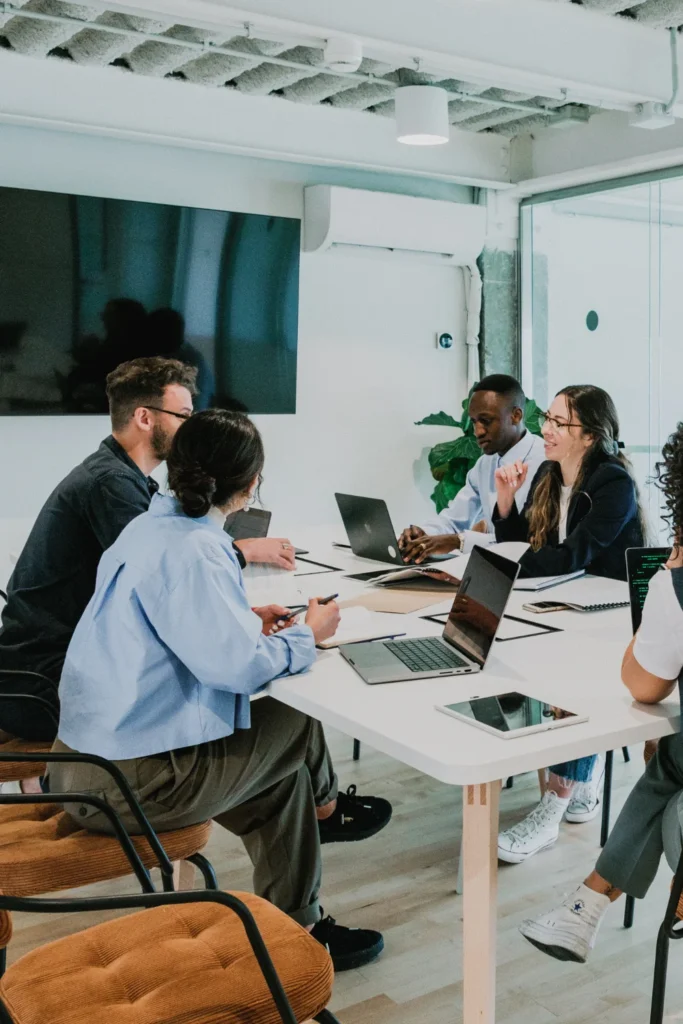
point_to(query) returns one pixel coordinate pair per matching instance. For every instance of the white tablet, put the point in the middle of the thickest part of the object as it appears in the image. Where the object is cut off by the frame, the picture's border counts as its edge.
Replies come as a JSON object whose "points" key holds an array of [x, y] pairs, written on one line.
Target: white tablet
{"points": [[511, 714]]}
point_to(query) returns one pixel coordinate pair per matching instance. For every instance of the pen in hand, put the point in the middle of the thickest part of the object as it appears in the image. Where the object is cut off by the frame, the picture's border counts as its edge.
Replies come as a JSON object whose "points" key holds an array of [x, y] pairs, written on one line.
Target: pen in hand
{"points": [[304, 607]]}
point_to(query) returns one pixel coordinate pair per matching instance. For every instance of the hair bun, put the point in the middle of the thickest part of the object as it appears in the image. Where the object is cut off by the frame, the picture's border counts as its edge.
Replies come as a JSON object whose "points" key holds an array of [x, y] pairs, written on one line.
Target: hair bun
{"points": [[194, 488]]}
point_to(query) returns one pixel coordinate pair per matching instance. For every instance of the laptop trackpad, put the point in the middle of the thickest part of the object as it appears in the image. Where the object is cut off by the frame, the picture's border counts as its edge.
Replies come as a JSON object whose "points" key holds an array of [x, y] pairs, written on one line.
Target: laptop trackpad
{"points": [[374, 656]]}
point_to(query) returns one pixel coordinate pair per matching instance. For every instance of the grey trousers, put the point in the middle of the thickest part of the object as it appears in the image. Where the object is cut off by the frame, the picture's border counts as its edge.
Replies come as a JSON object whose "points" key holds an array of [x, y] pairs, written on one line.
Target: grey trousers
{"points": [[262, 784], [650, 824]]}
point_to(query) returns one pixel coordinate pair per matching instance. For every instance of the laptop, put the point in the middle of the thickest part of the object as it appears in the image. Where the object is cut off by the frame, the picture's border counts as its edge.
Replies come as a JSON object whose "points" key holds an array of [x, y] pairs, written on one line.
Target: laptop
{"points": [[370, 530], [467, 638], [251, 523], [641, 566]]}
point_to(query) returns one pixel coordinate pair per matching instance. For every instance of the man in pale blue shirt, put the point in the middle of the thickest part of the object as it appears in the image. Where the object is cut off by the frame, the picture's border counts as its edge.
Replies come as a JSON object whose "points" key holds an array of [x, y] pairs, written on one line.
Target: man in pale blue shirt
{"points": [[497, 412]]}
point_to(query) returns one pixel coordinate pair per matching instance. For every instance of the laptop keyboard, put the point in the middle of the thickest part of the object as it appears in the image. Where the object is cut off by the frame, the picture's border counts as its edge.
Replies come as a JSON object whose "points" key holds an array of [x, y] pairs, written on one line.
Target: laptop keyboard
{"points": [[425, 655]]}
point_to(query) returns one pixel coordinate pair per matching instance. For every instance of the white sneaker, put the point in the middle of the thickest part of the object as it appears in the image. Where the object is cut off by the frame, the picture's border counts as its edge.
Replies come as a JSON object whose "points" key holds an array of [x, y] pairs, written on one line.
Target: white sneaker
{"points": [[569, 931], [536, 832], [584, 803]]}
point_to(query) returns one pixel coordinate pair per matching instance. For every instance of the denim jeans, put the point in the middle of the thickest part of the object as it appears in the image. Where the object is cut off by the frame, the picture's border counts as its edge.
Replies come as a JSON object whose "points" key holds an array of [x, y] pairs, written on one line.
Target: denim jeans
{"points": [[575, 771]]}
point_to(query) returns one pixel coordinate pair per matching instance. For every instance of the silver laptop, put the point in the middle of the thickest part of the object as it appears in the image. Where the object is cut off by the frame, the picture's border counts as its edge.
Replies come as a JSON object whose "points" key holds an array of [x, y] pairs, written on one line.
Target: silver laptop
{"points": [[467, 638]]}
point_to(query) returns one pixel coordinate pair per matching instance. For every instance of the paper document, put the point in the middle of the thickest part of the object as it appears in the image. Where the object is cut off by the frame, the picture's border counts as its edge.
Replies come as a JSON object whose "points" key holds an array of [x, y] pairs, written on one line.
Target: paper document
{"points": [[593, 594], [357, 624], [418, 578], [537, 583]]}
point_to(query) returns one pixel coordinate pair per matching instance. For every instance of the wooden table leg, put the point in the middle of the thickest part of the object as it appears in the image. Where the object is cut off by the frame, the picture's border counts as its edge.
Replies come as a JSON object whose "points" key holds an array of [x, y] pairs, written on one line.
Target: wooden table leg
{"points": [[480, 859]]}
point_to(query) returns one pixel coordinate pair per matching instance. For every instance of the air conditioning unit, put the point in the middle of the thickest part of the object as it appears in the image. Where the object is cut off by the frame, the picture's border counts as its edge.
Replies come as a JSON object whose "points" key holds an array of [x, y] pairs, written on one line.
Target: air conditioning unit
{"points": [[382, 223]]}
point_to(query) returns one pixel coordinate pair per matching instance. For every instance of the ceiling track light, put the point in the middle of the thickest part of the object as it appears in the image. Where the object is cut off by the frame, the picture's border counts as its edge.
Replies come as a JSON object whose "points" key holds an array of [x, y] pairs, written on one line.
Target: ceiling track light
{"points": [[422, 115], [343, 54]]}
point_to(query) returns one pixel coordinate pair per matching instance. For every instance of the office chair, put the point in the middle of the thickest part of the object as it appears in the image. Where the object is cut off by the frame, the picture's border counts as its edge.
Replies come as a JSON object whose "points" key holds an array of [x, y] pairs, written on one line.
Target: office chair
{"points": [[182, 960]]}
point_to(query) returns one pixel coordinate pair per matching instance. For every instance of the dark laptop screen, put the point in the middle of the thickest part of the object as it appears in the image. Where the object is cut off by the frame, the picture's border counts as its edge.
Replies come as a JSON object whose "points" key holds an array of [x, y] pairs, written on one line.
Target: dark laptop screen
{"points": [[641, 565], [248, 523], [480, 602]]}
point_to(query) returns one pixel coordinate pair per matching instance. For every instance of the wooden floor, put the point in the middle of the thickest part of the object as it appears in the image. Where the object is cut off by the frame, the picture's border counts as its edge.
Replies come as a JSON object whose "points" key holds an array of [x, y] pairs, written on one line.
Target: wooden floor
{"points": [[402, 882]]}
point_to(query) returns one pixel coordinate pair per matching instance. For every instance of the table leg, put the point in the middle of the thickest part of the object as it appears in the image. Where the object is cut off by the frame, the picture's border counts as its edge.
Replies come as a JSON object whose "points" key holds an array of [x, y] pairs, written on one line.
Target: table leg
{"points": [[480, 859]]}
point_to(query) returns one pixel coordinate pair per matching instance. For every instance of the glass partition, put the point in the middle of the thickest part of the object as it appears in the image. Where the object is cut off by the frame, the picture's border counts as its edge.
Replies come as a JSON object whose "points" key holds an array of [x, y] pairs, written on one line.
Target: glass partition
{"points": [[602, 303]]}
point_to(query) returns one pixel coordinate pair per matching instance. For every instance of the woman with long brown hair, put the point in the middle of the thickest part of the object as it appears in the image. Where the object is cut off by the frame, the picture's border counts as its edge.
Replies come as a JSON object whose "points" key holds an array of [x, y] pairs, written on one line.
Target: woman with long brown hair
{"points": [[582, 513]]}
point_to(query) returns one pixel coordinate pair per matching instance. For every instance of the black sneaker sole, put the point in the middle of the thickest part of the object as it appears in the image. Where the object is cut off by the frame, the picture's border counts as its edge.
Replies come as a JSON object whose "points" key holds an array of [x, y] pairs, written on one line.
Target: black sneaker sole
{"points": [[558, 952], [347, 835], [358, 958]]}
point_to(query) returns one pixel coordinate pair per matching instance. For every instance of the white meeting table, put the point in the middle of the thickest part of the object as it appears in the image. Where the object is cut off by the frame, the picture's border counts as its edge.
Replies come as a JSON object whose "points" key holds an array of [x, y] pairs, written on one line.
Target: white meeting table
{"points": [[578, 668]]}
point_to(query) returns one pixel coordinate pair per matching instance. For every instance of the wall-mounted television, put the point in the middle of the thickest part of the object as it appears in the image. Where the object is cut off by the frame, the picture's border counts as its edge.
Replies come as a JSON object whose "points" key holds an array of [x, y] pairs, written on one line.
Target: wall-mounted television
{"points": [[87, 283]]}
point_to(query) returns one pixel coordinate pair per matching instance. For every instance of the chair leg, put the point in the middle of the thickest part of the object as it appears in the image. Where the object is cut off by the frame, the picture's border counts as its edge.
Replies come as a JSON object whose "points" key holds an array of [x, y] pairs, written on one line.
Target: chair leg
{"points": [[206, 868], [325, 1017], [607, 797], [627, 755], [183, 875], [356, 750], [629, 912], [659, 978]]}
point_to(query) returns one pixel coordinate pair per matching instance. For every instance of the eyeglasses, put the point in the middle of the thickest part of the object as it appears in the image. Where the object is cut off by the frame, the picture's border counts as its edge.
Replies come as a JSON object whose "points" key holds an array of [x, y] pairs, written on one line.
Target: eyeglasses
{"points": [[169, 412], [558, 425]]}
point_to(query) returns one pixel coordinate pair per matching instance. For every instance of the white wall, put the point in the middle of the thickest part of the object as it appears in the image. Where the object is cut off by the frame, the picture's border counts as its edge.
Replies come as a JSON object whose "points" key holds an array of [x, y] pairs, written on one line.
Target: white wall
{"points": [[368, 365]]}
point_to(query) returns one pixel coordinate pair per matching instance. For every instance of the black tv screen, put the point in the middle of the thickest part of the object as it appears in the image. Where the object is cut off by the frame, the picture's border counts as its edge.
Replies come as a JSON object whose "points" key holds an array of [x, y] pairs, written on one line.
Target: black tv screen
{"points": [[88, 283]]}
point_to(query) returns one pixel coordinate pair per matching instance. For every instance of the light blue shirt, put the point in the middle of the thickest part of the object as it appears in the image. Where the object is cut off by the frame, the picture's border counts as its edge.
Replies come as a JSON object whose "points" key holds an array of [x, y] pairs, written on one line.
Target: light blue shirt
{"points": [[168, 650], [477, 499]]}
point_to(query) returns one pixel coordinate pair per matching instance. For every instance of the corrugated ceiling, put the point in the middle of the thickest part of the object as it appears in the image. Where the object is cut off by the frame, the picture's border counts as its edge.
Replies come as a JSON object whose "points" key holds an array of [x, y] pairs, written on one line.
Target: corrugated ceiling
{"points": [[288, 69]]}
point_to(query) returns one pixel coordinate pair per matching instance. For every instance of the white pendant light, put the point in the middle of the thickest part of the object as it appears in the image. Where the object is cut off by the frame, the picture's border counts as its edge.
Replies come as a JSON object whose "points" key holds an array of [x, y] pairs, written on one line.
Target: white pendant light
{"points": [[422, 115], [343, 54]]}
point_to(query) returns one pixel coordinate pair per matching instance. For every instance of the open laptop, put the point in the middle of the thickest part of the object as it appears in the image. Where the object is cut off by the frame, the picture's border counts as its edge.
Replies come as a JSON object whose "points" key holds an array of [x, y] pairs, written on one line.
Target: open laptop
{"points": [[251, 523], [641, 566], [369, 528], [468, 634]]}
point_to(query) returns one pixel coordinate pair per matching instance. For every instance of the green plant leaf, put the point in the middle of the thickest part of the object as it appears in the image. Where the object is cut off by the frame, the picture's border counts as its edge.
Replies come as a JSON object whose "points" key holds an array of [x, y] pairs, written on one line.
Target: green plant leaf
{"points": [[438, 419], [465, 448], [532, 413]]}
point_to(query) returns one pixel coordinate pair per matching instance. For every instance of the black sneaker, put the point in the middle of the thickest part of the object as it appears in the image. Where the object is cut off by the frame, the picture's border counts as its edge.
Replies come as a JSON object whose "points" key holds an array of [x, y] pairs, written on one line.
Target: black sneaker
{"points": [[355, 818], [348, 947]]}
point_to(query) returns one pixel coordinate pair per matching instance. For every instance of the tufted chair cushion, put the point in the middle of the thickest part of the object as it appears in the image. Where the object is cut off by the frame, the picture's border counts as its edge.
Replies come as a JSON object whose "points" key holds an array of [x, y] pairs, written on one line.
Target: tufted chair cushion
{"points": [[189, 964], [14, 771], [42, 849]]}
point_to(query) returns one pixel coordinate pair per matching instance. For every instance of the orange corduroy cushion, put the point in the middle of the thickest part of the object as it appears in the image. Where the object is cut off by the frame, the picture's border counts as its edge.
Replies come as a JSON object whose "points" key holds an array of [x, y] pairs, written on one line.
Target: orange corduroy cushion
{"points": [[171, 965], [42, 849], [14, 771]]}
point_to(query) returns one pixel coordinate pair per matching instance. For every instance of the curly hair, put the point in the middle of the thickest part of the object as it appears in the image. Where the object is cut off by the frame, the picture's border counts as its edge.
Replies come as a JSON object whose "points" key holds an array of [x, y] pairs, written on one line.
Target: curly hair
{"points": [[669, 479]]}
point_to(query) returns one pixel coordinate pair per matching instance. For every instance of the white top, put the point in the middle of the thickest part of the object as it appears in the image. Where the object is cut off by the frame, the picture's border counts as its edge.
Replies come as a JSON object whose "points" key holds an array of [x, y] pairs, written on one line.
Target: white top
{"points": [[659, 642], [565, 497], [477, 499]]}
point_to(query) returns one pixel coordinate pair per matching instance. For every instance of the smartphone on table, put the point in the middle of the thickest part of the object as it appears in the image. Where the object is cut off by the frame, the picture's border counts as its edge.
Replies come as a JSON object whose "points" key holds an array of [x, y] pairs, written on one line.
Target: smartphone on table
{"points": [[540, 607]]}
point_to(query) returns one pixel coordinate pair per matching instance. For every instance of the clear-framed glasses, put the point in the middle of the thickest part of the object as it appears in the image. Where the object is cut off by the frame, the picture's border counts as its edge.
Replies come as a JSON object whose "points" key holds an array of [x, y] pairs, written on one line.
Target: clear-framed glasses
{"points": [[557, 425]]}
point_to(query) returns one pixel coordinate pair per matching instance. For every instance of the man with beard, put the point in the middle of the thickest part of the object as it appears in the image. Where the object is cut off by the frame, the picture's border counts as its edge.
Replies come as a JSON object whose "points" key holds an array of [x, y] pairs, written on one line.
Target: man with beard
{"points": [[54, 577]]}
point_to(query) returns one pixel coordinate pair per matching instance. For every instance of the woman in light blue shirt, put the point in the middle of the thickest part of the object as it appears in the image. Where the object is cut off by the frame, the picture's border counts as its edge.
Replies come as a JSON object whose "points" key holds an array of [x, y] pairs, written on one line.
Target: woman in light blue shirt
{"points": [[160, 671]]}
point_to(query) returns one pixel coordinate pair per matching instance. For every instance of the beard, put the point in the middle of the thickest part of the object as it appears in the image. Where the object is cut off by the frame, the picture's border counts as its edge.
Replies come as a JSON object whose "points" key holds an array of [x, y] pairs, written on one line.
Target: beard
{"points": [[161, 442]]}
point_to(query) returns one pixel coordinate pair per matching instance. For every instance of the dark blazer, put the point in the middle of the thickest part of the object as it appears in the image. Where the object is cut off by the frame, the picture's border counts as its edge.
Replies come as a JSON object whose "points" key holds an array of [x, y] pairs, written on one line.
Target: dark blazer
{"points": [[602, 523]]}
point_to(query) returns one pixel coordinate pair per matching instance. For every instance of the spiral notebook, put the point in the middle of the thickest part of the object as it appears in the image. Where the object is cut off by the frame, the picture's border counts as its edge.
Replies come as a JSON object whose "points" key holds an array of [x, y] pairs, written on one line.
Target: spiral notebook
{"points": [[593, 594]]}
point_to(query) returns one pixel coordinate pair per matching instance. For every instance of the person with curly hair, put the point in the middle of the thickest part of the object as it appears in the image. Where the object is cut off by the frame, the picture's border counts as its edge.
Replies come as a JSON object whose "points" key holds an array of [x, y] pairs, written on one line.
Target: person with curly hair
{"points": [[582, 512], [651, 821]]}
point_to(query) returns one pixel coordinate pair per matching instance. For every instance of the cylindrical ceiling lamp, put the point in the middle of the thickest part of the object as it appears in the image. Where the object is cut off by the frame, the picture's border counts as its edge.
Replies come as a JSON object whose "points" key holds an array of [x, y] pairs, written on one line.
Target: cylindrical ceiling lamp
{"points": [[422, 115]]}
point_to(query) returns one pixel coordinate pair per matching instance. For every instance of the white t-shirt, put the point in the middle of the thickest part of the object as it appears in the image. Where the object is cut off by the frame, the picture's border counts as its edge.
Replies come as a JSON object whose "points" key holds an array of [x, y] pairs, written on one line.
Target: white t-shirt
{"points": [[565, 497], [659, 641]]}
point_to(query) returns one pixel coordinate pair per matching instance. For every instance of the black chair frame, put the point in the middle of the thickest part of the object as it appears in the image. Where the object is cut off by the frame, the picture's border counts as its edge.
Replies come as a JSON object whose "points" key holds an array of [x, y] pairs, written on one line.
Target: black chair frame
{"points": [[148, 900], [667, 932]]}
